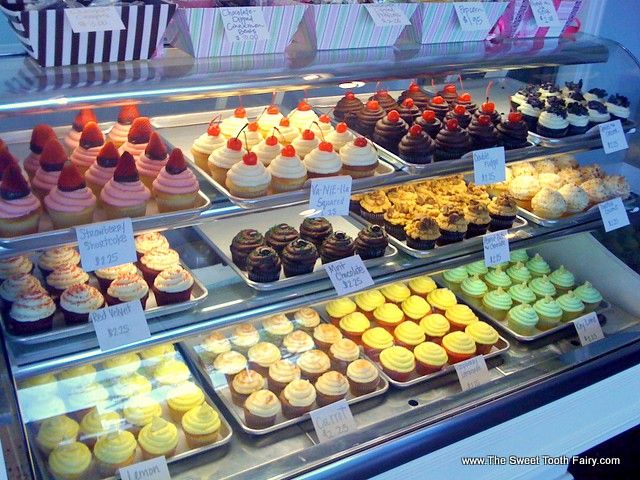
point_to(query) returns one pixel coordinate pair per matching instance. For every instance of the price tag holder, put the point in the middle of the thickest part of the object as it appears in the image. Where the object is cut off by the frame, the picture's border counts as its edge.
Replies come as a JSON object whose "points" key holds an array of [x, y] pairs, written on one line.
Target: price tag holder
{"points": [[106, 244], [588, 328], [489, 166], [472, 373], [348, 275], [330, 196], [612, 136], [244, 24], [154, 469], [496, 248], [332, 421], [472, 16], [613, 214], [544, 13], [94, 19], [387, 15], [119, 325]]}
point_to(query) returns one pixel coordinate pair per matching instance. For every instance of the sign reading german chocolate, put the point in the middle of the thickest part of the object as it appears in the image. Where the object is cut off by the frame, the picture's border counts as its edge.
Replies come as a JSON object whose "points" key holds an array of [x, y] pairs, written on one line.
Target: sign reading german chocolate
{"points": [[330, 196], [613, 214], [472, 373], [472, 16], [119, 325], [154, 469], [333, 421], [387, 15], [348, 275], [94, 19], [612, 136], [106, 244], [244, 24]]}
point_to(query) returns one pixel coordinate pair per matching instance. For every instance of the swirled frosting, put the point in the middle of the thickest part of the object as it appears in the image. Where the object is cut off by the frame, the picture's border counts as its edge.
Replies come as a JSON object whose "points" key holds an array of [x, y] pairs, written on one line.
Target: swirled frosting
{"points": [[176, 183], [362, 371], [263, 403], [473, 286], [70, 201], [124, 364], [588, 293], [264, 354], [459, 342], [278, 324], [339, 139], [131, 385], [32, 305], [158, 437], [111, 273], [81, 298], [55, 257], [201, 420], [225, 157], [287, 167], [431, 353], [160, 259], [409, 333], [245, 335], [399, 359], [230, 363], [94, 422], [422, 285], [172, 372], [441, 298], [55, 430], [562, 277], [319, 161], [127, 288], [369, 300], [46, 180], [340, 307], [396, 292], [300, 393], [327, 333], [245, 175], [332, 383], [538, 265], [115, 447], [141, 410], [314, 361], [284, 371], [570, 302], [69, 459], [415, 307], [230, 126], [435, 325], [216, 343], [345, 349], [302, 119], [173, 279], [14, 284], [460, 314], [353, 155], [185, 396], [298, 341], [548, 307], [355, 322], [124, 194], [377, 338], [85, 157], [304, 147], [19, 206], [306, 317], [265, 152], [389, 313], [149, 241], [268, 121], [524, 315], [13, 265], [207, 143]]}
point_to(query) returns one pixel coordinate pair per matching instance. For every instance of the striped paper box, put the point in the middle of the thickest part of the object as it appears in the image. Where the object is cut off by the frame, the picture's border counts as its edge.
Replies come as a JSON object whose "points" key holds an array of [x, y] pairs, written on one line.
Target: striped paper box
{"points": [[200, 32], [47, 36], [518, 20]]}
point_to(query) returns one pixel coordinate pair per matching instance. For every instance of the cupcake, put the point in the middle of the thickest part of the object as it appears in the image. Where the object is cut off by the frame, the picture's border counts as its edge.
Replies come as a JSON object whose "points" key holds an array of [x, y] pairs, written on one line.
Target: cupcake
{"points": [[14, 265], [473, 290], [439, 106], [120, 130], [244, 384], [138, 137], [452, 142], [354, 325], [415, 307], [146, 242], [40, 135], [589, 295], [598, 113], [373, 205], [497, 303], [312, 364], [151, 161], [348, 105], [459, 113], [389, 130], [131, 385], [421, 285], [395, 220], [408, 334], [171, 372], [229, 364], [244, 337], [453, 227], [127, 288], [13, 285], [562, 279], [422, 233], [70, 461], [367, 118], [175, 187], [454, 277], [287, 133], [122, 365], [53, 258], [466, 101], [484, 335], [20, 209], [416, 146], [75, 377], [325, 335], [435, 326], [578, 118], [549, 313], [441, 299], [542, 287], [374, 340], [385, 100], [153, 356], [54, 431], [297, 398], [340, 136], [155, 261], [521, 293], [522, 319], [281, 373], [477, 268], [72, 138], [336, 246], [243, 244], [571, 305], [305, 143], [71, 202], [260, 409], [331, 387], [201, 426], [287, 171], [489, 108], [64, 277], [497, 278], [262, 355], [596, 190], [548, 203], [342, 353], [363, 377], [538, 267], [530, 110], [388, 316], [298, 258], [113, 451], [95, 425], [408, 111], [306, 319], [172, 285], [460, 316], [430, 358], [415, 93], [315, 230], [430, 123], [459, 346], [512, 134], [102, 170], [276, 327], [91, 143], [336, 309], [519, 273], [124, 195], [158, 438], [502, 210], [107, 275], [482, 132], [303, 116], [213, 345], [269, 119], [398, 363], [598, 94], [251, 136], [359, 158], [267, 150], [233, 125], [78, 301], [52, 160], [223, 158], [279, 236], [618, 106]]}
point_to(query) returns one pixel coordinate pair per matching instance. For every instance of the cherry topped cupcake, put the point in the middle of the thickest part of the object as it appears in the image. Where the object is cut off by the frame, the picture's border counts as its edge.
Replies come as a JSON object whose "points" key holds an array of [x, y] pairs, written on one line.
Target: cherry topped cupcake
{"points": [[119, 132], [101, 171], [52, 160], [269, 119], [513, 133], [466, 101], [449, 93], [71, 202], [367, 118], [389, 130], [232, 125], [408, 111], [19, 208], [138, 137], [440, 106], [385, 100], [347, 105], [303, 116], [460, 113], [39, 137], [72, 138], [489, 108], [125, 195], [416, 146], [420, 99], [452, 141], [91, 141], [482, 132], [430, 123]]}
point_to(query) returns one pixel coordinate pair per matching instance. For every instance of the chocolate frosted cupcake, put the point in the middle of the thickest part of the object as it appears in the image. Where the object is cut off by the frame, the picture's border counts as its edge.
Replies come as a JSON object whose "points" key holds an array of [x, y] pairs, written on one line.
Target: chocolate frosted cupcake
{"points": [[263, 265], [440, 106], [386, 101], [483, 133], [299, 257], [278, 236], [452, 142], [371, 242], [502, 210], [452, 225], [477, 216], [466, 102], [367, 118], [389, 130], [449, 93], [243, 244], [338, 245], [531, 110], [422, 233], [513, 133], [553, 122], [489, 108], [315, 230], [430, 123], [460, 113], [408, 111], [416, 146], [415, 93], [347, 105], [578, 118]]}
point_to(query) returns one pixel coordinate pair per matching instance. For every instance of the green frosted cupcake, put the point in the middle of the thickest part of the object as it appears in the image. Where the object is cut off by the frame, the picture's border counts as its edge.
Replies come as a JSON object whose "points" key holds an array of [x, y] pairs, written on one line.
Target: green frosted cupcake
{"points": [[473, 289], [496, 278], [520, 255], [538, 266], [563, 280], [523, 319], [542, 287], [589, 296], [549, 313], [455, 277], [521, 293], [477, 268], [497, 303], [572, 307], [519, 273]]}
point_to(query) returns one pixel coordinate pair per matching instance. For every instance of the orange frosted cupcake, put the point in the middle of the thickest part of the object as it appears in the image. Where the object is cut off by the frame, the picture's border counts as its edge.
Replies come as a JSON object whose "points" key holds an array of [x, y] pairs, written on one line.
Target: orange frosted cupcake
{"points": [[375, 340], [354, 325], [435, 326], [430, 357], [125, 195], [388, 316], [459, 346], [176, 187], [91, 142]]}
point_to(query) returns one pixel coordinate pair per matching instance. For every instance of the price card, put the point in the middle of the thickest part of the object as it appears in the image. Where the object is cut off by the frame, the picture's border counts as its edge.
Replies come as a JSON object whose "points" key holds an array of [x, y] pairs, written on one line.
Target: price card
{"points": [[496, 248], [244, 24], [330, 196], [106, 244], [612, 136], [472, 16], [488, 166], [120, 325], [544, 13], [94, 19], [613, 214], [386, 15], [333, 421], [588, 328], [154, 469], [348, 275], [472, 373]]}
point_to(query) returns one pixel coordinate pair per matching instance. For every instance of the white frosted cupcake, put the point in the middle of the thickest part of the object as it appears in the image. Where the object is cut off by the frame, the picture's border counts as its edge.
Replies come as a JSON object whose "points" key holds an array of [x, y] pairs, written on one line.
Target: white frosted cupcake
{"points": [[231, 126], [269, 119], [305, 142], [322, 161], [287, 171], [205, 144], [248, 178], [359, 158], [223, 158], [250, 136], [267, 150], [303, 116], [340, 136], [322, 128]]}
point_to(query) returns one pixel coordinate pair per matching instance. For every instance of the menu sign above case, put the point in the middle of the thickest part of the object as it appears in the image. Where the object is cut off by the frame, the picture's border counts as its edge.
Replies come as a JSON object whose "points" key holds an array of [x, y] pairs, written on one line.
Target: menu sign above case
{"points": [[244, 24]]}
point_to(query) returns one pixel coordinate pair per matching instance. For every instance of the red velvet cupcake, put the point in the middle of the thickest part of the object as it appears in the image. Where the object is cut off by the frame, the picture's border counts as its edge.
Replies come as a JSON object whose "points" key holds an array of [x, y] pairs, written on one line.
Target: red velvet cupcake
{"points": [[172, 285], [31, 312], [78, 301], [157, 260]]}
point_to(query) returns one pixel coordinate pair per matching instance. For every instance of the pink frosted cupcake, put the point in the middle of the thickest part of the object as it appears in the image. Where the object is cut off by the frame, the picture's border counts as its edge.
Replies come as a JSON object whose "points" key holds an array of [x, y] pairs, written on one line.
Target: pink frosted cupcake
{"points": [[71, 202], [72, 138], [20, 210], [90, 145], [52, 160], [138, 137], [119, 132], [39, 137], [125, 195], [101, 171], [151, 161], [176, 187]]}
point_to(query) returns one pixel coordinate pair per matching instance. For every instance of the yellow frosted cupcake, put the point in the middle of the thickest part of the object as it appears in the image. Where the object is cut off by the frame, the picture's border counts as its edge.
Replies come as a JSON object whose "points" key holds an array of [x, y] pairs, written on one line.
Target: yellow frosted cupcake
{"points": [[396, 292], [459, 346], [430, 357], [131, 385], [354, 325], [201, 426], [460, 316], [375, 340], [77, 377], [140, 411], [368, 301], [336, 309], [95, 424], [440, 299], [484, 335], [388, 316], [53, 431], [151, 357], [70, 461], [114, 451], [422, 285], [435, 326], [408, 335], [415, 308], [183, 398], [124, 364], [158, 438], [398, 363], [171, 372]]}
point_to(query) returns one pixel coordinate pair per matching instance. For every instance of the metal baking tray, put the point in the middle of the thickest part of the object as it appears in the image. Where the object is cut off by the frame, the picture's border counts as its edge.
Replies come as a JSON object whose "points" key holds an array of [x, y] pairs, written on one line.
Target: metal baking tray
{"points": [[219, 235], [594, 132], [452, 248], [182, 450], [61, 330]]}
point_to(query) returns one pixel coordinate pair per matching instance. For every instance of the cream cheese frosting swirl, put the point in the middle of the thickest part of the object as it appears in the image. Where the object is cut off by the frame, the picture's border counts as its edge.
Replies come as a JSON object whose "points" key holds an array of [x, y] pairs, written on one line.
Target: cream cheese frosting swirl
{"points": [[81, 298], [173, 279], [32, 305], [300, 393]]}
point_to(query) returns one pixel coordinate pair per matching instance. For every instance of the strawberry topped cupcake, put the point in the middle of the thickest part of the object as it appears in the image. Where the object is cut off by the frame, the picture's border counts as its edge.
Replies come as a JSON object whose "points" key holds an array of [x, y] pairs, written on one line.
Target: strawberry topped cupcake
{"points": [[151, 161], [51, 162], [269, 119], [39, 137], [119, 132], [20, 209], [6, 159], [101, 171], [176, 187], [125, 195], [91, 142], [71, 202], [138, 137], [72, 138]]}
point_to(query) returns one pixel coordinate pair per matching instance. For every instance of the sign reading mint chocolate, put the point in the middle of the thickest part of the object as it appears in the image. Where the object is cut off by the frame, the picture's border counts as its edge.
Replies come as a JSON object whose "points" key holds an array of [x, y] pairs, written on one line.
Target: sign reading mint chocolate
{"points": [[94, 19], [472, 16], [330, 196], [332, 421], [119, 325], [106, 244], [488, 166], [154, 469], [348, 275], [244, 24], [387, 15]]}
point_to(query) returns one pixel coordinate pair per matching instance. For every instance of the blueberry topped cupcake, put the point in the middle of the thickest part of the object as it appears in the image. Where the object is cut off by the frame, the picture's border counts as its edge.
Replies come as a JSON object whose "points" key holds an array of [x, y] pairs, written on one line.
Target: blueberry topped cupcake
{"points": [[553, 122]]}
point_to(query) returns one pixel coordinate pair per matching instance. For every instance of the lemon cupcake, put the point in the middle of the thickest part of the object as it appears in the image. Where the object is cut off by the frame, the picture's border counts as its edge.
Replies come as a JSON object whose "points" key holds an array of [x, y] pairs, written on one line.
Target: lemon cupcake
{"points": [[589, 295], [435, 326], [549, 313], [183, 398], [440, 299], [114, 451], [201, 426], [460, 316], [408, 335], [139, 411], [562, 279], [95, 424], [415, 308], [53, 431], [484, 335], [571, 305], [151, 357], [542, 287], [398, 363], [430, 357], [120, 365], [171, 372], [375, 340], [422, 285], [388, 315], [368, 301], [76, 377], [454, 277], [396, 292], [538, 266], [336, 309], [473, 289], [70, 461], [522, 319], [459, 346], [158, 439], [276, 327], [354, 325], [521, 293]]}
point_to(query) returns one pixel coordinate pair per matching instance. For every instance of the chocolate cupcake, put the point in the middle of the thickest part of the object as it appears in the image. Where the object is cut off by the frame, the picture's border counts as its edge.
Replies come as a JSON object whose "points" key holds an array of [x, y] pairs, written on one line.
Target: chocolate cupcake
{"points": [[415, 93], [31, 312], [338, 245], [477, 216], [263, 265], [618, 106], [430, 123], [502, 210], [489, 108], [578, 117], [386, 101], [452, 225], [347, 105], [371, 242], [389, 131], [408, 111], [466, 102], [422, 233], [245, 242], [315, 230], [553, 121], [449, 93], [440, 106], [531, 109], [452, 142], [572, 87], [482, 132], [395, 219], [460, 113], [299, 257], [279, 236], [575, 96], [416, 146], [367, 118], [513, 133]]}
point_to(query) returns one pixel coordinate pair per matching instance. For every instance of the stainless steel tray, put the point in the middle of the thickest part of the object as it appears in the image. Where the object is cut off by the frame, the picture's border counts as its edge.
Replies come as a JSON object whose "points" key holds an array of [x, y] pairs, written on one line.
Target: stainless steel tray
{"points": [[594, 132], [220, 233], [61, 330], [452, 248]]}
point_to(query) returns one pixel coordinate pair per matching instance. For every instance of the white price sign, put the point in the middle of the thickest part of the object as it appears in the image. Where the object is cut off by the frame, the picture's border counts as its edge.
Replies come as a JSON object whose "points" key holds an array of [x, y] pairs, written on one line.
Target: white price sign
{"points": [[472, 373], [94, 19], [386, 15], [119, 325], [333, 421], [544, 13], [588, 328], [154, 469], [488, 166], [106, 244], [496, 248], [613, 214], [330, 196], [612, 136], [472, 16], [348, 275], [244, 24]]}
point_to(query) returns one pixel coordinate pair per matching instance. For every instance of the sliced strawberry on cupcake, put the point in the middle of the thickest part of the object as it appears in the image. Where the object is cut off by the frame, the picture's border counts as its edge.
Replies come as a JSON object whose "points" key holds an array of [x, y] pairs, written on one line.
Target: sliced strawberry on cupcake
{"points": [[176, 187], [71, 202], [125, 195], [91, 142], [39, 136], [20, 209], [151, 161], [138, 137], [52, 159], [72, 138], [118, 134], [101, 171]]}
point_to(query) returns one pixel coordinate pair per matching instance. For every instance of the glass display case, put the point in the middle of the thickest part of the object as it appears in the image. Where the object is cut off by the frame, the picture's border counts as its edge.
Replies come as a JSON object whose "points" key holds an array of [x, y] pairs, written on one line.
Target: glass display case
{"points": [[239, 310]]}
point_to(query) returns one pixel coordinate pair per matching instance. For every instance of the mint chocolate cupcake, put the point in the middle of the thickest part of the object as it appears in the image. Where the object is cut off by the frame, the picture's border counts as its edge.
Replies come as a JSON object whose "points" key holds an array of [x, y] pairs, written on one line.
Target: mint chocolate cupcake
{"points": [[315, 230], [371, 242], [299, 257], [263, 265], [338, 245], [243, 244], [279, 236]]}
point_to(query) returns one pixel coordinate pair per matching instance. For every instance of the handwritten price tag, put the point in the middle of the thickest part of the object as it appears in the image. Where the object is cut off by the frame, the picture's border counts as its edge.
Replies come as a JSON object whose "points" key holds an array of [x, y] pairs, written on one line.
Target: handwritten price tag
{"points": [[472, 16], [120, 325], [488, 166], [333, 421], [244, 24], [612, 136], [544, 13], [496, 248], [472, 373], [588, 328], [385, 15], [154, 469], [330, 196], [348, 275], [106, 244], [613, 214], [94, 19]]}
